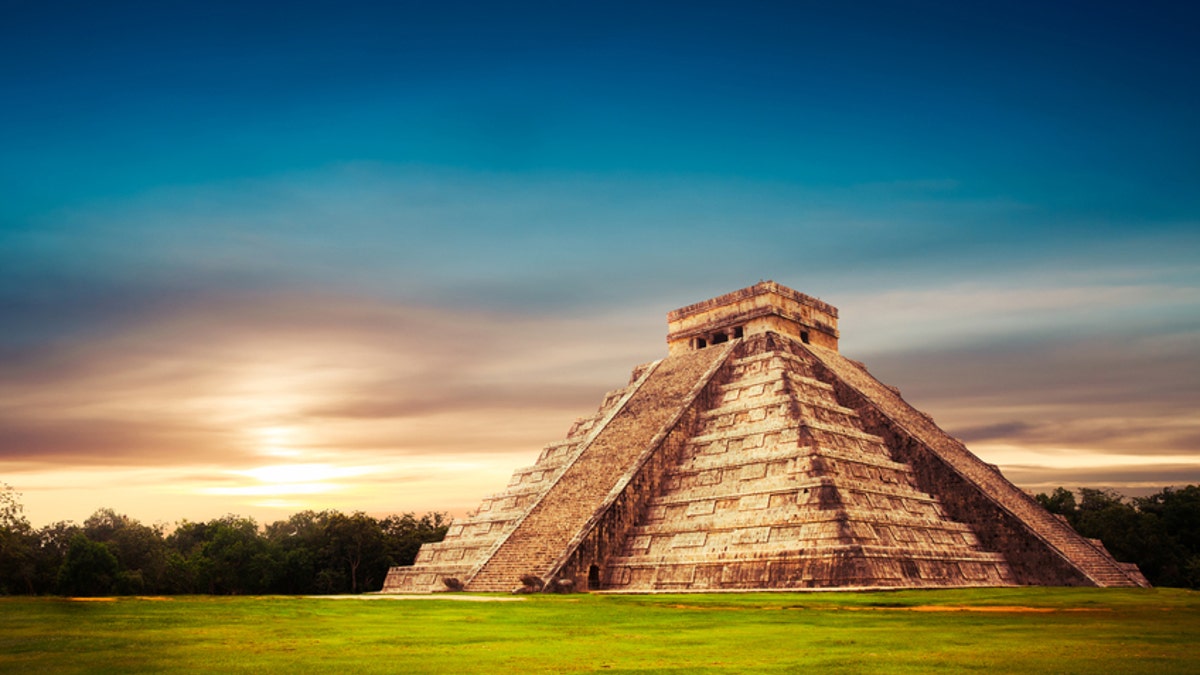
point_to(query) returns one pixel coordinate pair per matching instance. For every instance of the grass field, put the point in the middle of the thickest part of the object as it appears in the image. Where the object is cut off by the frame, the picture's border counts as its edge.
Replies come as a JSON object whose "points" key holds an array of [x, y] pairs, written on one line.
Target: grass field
{"points": [[996, 630]]}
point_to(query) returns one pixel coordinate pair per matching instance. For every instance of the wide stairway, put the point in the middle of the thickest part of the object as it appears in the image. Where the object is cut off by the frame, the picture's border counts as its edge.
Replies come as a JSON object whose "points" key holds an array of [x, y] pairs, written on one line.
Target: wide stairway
{"points": [[779, 487], [543, 536]]}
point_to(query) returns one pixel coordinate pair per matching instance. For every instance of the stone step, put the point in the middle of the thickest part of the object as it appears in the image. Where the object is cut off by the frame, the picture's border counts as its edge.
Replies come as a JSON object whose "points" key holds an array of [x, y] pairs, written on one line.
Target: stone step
{"points": [[821, 550], [788, 485], [783, 519], [542, 537]]}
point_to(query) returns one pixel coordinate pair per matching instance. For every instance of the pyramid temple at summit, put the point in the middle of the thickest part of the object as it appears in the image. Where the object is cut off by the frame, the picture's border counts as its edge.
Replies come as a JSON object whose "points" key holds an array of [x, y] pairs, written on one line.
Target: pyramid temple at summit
{"points": [[756, 457]]}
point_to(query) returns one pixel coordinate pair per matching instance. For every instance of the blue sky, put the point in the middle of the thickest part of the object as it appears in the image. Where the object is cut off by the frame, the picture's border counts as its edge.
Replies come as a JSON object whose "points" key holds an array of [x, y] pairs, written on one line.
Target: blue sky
{"points": [[401, 245]]}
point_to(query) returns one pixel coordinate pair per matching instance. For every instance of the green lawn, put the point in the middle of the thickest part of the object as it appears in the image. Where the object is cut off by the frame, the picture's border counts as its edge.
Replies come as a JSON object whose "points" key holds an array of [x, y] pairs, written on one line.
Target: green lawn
{"points": [[1010, 630]]}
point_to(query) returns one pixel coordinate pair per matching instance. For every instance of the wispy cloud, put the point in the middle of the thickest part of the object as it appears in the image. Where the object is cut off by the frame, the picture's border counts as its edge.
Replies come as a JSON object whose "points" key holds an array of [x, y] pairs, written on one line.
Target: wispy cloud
{"points": [[270, 385], [407, 318]]}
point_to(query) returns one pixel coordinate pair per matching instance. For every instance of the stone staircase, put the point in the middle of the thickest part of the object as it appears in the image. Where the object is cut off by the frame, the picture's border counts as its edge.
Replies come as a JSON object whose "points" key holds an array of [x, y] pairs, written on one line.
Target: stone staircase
{"points": [[470, 540], [540, 539], [780, 487]]}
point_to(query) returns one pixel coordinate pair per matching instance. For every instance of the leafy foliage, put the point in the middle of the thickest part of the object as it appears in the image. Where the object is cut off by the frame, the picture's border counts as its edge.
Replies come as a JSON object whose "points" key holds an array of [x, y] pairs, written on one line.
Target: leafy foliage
{"points": [[18, 544], [308, 553], [325, 552], [1161, 532], [90, 568]]}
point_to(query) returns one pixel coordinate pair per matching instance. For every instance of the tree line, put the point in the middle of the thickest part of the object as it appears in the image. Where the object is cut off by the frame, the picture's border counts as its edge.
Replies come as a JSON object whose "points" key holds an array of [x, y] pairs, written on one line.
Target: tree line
{"points": [[311, 552], [1160, 532], [321, 552]]}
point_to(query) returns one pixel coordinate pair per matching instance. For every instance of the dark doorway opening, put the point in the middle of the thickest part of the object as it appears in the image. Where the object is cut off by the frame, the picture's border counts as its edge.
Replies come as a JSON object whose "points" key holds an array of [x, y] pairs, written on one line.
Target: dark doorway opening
{"points": [[719, 338], [700, 343], [804, 336], [594, 578]]}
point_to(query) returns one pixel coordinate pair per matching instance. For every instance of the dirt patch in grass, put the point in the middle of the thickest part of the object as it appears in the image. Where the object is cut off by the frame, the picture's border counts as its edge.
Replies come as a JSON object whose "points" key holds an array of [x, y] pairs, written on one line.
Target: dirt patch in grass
{"points": [[1018, 609], [1012, 609]]}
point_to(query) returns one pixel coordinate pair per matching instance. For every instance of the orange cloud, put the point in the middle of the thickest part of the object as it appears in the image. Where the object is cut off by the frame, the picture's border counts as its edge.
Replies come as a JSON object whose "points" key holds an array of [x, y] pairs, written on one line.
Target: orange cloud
{"points": [[264, 403], [228, 397]]}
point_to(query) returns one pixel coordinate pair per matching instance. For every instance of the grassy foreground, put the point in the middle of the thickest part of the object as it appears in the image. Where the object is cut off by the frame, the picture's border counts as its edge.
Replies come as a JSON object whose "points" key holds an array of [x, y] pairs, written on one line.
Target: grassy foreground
{"points": [[994, 630]]}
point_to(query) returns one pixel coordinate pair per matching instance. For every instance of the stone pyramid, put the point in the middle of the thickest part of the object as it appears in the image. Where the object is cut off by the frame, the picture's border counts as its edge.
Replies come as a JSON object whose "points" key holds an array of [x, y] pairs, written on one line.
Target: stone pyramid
{"points": [[756, 457]]}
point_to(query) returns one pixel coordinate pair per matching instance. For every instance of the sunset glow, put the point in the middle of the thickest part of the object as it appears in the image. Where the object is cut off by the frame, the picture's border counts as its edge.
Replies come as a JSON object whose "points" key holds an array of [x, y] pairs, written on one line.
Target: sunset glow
{"points": [[277, 442], [256, 259]]}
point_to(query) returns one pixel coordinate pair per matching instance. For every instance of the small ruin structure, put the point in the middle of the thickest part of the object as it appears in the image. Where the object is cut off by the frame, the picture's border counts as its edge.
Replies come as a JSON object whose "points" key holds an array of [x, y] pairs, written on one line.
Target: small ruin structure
{"points": [[756, 457]]}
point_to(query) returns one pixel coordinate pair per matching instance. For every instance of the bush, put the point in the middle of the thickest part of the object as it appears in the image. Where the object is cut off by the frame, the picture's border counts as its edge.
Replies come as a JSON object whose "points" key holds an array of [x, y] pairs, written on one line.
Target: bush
{"points": [[531, 583]]}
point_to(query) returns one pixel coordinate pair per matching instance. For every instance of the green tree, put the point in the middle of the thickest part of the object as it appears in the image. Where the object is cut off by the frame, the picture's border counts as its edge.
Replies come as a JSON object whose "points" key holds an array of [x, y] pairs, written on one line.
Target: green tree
{"points": [[355, 543], [1176, 517], [405, 533], [186, 566], [90, 569], [53, 543], [1061, 502], [297, 544], [332, 552], [18, 545], [236, 558], [1179, 511], [1104, 515], [140, 550], [1159, 532]]}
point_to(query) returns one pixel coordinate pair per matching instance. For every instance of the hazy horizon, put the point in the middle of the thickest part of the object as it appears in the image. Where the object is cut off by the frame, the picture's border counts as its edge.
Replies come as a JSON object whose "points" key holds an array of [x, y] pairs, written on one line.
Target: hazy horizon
{"points": [[262, 258]]}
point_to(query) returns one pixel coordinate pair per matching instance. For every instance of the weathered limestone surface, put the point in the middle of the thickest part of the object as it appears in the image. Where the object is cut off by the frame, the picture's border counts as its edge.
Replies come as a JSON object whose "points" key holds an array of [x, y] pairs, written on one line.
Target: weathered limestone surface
{"points": [[470, 541], [781, 488], [1040, 548], [761, 308], [542, 536], [550, 504], [756, 457]]}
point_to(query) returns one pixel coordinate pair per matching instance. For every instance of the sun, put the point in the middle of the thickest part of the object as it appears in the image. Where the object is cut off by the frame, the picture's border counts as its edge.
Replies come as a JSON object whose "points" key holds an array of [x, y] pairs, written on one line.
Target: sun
{"points": [[279, 480], [277, 442]]}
